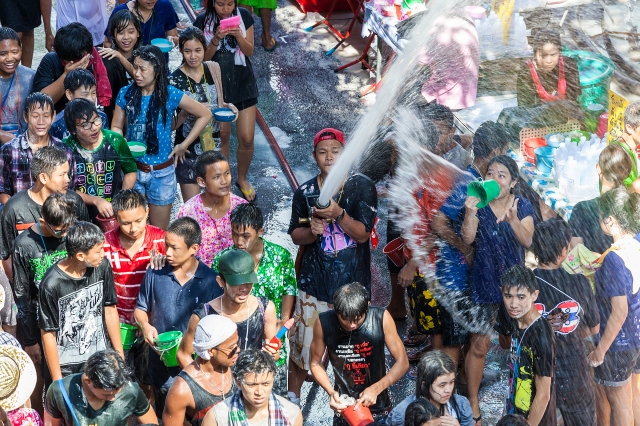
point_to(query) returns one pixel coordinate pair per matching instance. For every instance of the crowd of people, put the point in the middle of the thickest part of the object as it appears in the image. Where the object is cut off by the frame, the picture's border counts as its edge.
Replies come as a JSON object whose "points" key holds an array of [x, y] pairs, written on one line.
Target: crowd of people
{"points": [[89, 251]]}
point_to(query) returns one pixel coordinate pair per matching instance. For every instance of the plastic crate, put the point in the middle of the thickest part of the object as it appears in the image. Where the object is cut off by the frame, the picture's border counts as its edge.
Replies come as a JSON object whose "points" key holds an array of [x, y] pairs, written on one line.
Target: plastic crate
{"points": [[527, 132]]}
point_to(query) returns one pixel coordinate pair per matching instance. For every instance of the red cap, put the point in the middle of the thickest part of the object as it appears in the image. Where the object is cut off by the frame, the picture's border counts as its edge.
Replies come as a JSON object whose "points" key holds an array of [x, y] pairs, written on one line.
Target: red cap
{"points": [[329, 134]]}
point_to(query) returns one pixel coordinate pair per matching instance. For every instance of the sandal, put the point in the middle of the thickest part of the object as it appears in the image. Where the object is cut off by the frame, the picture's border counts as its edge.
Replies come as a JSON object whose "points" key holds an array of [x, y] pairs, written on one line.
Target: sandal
{"points": [[477, 419], [414, 338], [273, 46], [247, 194]]}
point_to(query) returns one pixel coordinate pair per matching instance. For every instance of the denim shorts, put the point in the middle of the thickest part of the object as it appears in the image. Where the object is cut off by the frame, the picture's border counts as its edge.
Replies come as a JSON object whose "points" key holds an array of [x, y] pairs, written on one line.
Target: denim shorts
{"points": [[617, 368], [159, 186]]}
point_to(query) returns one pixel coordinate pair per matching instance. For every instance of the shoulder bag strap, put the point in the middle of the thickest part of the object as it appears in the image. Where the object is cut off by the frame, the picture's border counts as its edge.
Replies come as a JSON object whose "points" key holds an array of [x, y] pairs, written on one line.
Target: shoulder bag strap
{"points": [[214, 69], [68, 402]]}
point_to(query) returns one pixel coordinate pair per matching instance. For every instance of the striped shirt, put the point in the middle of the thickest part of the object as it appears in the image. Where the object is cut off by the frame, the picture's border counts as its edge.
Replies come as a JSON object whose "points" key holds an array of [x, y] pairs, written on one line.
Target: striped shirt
{"points": [[128, 273]]}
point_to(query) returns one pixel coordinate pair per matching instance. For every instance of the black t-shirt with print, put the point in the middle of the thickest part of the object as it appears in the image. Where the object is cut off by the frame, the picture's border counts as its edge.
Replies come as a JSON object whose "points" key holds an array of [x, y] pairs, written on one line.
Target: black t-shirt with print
{"points": [[21, 212], [535, 357], [74, 309], [585, 223], [203, 92], [31, 260], [100, 172], [572, 300], [335, 258], [130, 401]]}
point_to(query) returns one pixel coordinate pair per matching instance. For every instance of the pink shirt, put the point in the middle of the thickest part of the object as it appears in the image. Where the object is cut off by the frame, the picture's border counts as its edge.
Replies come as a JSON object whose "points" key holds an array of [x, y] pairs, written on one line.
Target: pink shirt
{"points": [[216, 233], [453, 53]]}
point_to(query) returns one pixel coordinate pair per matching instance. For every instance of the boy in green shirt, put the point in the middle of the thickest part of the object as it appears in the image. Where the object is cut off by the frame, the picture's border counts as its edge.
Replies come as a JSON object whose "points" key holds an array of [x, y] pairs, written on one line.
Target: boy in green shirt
{"points": [[102, 158]]}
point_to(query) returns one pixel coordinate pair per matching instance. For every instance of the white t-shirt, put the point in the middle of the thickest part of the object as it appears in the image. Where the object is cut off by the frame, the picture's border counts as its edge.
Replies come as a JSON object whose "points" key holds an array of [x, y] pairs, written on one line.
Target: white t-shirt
{"points": [[221, 412], [91, 13]]}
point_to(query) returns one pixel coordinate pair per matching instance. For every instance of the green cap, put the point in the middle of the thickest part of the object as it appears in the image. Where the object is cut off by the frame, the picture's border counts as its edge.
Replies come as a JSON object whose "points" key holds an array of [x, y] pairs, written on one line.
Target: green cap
{"points": [[237, 267]]}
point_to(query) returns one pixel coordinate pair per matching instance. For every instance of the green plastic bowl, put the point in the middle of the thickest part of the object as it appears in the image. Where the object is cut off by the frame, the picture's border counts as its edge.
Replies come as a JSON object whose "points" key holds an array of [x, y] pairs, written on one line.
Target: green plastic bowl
{"points": [[138, 149], [486, 191]]}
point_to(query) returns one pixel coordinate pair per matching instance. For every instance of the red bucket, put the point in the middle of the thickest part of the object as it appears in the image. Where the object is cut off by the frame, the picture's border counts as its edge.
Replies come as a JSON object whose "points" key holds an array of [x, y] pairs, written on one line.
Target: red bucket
{"points": [[530, 146], [395, 251], [360, 417], [107, 223]]}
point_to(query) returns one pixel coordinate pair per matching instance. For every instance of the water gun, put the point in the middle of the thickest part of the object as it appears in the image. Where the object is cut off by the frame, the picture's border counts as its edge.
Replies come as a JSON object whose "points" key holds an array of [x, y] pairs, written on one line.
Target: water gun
{"points": [[275, 340]]}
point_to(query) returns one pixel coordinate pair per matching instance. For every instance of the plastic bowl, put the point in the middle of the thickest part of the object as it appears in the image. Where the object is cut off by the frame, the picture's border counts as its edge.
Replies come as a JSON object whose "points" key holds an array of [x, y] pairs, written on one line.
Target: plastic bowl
{"points": [[554, 139], [163, 44], [223, 114], [138, 149]]}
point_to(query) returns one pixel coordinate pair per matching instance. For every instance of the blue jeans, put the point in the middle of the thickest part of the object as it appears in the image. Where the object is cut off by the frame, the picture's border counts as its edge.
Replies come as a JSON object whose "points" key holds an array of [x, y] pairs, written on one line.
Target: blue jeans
{"points": [[159, 186]]}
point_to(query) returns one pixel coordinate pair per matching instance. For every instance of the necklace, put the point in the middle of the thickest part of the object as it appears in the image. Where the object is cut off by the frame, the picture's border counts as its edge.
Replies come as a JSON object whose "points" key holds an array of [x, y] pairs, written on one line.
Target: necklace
{"points": [[246, 334], [209, 380]]}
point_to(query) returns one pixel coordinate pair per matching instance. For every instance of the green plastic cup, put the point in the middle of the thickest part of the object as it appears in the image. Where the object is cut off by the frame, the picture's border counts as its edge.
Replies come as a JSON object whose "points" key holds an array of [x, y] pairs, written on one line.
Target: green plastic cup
{"points": [[128, 335], [486, 190], [167, 344]]}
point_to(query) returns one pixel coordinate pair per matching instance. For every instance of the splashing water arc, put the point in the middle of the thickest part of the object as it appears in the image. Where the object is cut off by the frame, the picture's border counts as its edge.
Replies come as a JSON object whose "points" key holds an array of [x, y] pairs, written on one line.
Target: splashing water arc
{"points": [[404, 72]]}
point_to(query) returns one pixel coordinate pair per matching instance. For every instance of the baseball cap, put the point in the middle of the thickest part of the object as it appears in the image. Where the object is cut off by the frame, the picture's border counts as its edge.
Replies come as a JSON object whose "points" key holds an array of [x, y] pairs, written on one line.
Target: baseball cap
{"points": [[329, 134], [237, 267]]}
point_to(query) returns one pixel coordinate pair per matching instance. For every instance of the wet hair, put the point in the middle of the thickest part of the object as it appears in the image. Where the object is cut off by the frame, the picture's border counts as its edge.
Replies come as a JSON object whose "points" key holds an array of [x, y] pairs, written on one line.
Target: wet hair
{"points": [[351, 301], [519, 276], [632, 115], [78, 110], [615, 164], [549, 239], [431, 366], [72, 42], [37, 100], [544, 37], [622, 205], [211, 17], [508, 162], [437, 112], [247, 216], [7, 33], [489, 137], [431, 134], [160, 96], [188, 229], [512, 420], [191, 33], [59, 209], [120, 21], [128, 199], [107, 370], [419, 412], [79, 78], [46, 160], [206, 159], [377, 161], [82, 237], [253, 361]]}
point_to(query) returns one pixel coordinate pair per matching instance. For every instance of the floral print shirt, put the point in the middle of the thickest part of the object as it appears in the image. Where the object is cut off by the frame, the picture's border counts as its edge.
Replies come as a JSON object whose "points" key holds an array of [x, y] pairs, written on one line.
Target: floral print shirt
{"points": [[216, 233], [24, 417], [276, 278]]}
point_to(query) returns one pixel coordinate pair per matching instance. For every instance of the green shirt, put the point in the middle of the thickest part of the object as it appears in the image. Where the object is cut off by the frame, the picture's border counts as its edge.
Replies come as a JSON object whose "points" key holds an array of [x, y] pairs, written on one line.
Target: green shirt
{"points": [[130, 401], [276, 278]]}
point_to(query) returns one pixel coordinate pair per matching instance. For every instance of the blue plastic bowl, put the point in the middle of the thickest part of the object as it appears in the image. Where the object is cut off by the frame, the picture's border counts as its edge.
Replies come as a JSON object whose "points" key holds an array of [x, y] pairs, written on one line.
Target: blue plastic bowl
{"points": [[224, 114], [163, 44]]}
